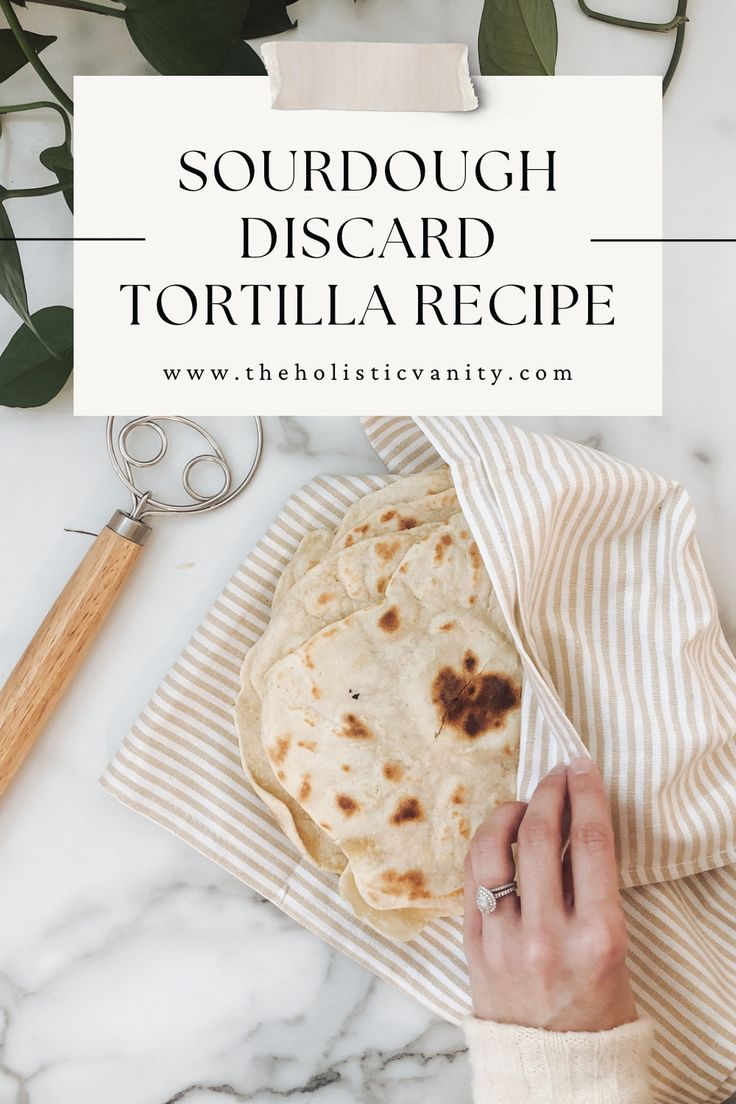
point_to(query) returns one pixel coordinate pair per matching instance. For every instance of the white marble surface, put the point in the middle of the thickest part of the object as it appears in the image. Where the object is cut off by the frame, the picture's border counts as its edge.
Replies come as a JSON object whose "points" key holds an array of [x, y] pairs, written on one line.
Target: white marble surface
{"points": [[132, 970]]}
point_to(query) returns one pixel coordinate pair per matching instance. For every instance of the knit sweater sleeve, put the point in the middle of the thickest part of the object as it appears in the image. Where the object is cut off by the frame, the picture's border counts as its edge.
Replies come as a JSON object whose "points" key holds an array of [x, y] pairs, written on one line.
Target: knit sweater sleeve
{"points": [[530, 1066]]}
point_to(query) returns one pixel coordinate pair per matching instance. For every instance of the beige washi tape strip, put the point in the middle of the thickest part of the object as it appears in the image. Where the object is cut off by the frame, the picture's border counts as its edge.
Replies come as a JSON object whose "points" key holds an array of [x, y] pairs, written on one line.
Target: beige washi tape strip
{"points": [[369, 76]]}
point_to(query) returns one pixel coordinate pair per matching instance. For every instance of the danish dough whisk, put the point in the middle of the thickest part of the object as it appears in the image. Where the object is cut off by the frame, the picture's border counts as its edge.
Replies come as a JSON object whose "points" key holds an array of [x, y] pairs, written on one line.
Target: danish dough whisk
{"points": [[51, 659]]}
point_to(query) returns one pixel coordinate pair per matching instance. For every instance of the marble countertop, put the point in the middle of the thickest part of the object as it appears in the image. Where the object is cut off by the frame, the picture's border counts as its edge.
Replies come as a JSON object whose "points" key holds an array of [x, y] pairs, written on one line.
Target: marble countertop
{"points": [[132, 969]]}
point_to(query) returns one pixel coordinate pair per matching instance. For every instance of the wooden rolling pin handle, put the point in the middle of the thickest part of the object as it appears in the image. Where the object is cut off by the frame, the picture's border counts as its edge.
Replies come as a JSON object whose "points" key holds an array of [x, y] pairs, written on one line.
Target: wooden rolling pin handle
{"points": [[49, 662]]}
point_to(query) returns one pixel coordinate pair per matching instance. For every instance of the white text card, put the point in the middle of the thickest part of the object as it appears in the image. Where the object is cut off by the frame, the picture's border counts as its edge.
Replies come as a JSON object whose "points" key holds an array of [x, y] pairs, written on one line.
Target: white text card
{"points": [[312, 262]]}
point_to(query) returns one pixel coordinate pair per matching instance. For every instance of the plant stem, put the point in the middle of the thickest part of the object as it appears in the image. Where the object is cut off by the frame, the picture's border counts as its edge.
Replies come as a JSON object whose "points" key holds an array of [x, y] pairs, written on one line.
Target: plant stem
{"points": [[18, 193], [32, 105], [635, 24], [33, 59], [83, 5], [679, 43], [678, 23], [49, 189], [36, 105]]}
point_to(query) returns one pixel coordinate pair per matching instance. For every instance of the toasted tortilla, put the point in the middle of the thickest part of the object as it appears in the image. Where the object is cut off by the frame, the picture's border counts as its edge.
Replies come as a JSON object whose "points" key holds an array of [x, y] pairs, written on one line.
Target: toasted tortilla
{"points": [[400, 491], [349, 580], [398, 517], [396, 728], [311, 551]]}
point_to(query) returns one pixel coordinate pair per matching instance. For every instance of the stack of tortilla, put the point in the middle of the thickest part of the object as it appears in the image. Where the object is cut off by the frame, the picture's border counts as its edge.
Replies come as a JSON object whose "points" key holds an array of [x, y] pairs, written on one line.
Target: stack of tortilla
{"points": [[379, 712]]}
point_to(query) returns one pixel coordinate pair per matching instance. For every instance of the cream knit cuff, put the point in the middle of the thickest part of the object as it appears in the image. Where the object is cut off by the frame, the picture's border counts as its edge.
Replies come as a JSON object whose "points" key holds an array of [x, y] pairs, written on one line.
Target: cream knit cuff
{"points": [[526, 1065]]}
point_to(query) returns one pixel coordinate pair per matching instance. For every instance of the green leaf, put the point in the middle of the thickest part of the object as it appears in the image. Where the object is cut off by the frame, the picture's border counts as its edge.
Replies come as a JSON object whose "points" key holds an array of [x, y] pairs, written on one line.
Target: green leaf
{"points": [[266, 17], [59, 161], [29, 374], [518, 38], [12, 282], [187, 37], [12, 57], [242, 61]]}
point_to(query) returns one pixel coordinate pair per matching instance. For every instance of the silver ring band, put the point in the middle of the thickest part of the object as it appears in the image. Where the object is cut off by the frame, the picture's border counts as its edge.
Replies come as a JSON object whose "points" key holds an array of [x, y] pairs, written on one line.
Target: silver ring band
{"points": [[487, 899]]}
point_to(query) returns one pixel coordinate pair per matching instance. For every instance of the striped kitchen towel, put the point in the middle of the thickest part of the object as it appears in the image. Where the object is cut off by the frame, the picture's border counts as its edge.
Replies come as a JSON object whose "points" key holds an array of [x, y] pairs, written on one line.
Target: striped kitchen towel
{"points": [[601, 583]]}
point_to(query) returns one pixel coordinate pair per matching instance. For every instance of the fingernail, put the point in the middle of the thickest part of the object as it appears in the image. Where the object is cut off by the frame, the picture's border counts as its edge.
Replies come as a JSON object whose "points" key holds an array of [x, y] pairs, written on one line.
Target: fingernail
{"points": [[559, 768], [581, 764]]}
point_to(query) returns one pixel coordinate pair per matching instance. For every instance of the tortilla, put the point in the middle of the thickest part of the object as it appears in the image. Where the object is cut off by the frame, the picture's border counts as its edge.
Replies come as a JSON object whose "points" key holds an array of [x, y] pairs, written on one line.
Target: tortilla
{"points": [[296, 825], [312, 549], [397, 727], [348, 581], [399, 924], [400, 491], [399, 517]]}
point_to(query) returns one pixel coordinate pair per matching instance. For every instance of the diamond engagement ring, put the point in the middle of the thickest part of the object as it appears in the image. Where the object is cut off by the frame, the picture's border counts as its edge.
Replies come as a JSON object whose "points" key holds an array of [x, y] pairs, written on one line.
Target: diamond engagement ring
{"points": [[487, 899]]}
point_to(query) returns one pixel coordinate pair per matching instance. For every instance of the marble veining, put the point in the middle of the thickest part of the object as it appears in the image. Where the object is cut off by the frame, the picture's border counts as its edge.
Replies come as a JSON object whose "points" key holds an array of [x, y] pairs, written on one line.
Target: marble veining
{"points": [[132, 970]]}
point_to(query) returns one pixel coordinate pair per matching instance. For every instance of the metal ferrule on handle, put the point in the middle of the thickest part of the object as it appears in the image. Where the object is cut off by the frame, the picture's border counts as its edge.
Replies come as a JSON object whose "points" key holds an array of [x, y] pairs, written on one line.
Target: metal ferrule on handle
{"points": [[131, 528]]}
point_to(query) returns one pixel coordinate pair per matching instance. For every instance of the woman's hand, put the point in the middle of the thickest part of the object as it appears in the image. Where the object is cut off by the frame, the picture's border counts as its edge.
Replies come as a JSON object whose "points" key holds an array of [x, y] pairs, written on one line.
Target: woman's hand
{"points": [[555, 958]]}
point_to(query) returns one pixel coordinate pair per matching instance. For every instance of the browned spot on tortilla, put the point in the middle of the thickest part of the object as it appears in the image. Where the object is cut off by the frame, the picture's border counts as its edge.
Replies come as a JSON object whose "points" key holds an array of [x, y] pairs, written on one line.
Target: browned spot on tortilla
{"points": [[441, 547], [347, 804], [393, 771], [459, 796], [464, 828], [354, 729], [470, 662], [385, 550], [279, 753], [409, 808], [348, 540], [473, 599], [447, 627], [316, 692], [409, 883], [329, 632], [382, 584], [464, 534], [309, 745], [403, 569], [325, 597], [475, 556], [310, 721], [362, 528], [306, 788], [389, 621], [281, 775], [327, 827], [477, 706], [388, 516], [346, 768], [308, 661], [408, 523]]}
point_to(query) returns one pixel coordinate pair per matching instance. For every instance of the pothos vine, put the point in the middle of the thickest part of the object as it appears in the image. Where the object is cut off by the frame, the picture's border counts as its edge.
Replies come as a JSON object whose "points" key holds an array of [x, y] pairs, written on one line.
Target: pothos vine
{"points": [[678, 24]]}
